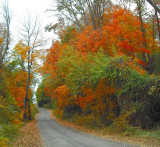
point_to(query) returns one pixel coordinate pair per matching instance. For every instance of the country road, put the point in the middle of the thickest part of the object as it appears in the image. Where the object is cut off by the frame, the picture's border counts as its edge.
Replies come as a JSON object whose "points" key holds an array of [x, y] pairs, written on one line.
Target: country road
{"points": [[56, 135]]}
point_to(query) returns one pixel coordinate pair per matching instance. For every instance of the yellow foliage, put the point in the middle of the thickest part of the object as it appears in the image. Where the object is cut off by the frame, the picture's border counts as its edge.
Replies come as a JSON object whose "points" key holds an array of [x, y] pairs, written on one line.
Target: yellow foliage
{"points": [[3, 142], [21, 49], [1, 41], [122, 122], [17, 122]]}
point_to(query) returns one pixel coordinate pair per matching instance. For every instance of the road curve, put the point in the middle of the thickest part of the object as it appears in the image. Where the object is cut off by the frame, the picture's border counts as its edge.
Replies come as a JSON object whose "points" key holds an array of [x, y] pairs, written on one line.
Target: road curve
{"points": [[56, 135]]}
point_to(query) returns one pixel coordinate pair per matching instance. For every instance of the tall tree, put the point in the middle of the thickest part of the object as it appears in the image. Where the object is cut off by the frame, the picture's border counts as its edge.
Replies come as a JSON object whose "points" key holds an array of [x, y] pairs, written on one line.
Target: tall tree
{"points": [[83, 12], [140, 9], [30, 33], [5, 30]]}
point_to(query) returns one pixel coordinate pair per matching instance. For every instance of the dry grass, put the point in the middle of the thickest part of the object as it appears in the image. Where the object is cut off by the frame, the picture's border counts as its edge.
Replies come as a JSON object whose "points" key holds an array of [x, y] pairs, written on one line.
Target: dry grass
{"points": [[144, 142], [29, 136]]}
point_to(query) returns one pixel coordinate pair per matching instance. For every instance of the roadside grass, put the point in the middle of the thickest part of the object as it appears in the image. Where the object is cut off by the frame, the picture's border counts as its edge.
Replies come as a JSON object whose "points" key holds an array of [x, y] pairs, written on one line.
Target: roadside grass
{"points": [[148, 134]]}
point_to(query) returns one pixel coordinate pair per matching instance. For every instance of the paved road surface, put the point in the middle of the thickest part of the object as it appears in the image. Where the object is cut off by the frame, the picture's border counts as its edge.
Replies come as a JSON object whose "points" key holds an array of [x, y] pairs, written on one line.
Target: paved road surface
{"points": [[56, 135]]}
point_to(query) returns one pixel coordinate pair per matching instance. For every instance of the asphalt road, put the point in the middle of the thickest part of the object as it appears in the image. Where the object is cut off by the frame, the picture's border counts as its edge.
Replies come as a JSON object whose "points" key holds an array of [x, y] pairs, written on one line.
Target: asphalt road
{"points": [[56, 135]]}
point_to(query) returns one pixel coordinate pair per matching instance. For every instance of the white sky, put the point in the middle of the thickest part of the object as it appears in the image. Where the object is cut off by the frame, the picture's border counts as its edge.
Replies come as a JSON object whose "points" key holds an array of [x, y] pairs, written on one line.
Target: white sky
{"points": [[34, 7], [20, 8]]}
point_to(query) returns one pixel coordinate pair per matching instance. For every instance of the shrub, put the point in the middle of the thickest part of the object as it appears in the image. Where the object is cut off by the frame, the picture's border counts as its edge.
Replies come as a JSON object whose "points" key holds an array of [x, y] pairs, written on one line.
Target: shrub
{"points": [[70, 110], [143, 92], [9, 131], [34, 111], [90, 121]]}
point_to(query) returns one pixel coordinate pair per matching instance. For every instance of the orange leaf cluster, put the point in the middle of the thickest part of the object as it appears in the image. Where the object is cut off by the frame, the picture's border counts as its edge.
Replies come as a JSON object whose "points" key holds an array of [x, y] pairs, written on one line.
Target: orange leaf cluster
{"points": [[18, 87]]}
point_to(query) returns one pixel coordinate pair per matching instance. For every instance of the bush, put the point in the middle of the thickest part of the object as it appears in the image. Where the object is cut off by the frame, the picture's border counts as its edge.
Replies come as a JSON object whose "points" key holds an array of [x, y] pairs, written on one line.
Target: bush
{"points": [[143, 92], [54, 106], [70, 110], [3, 141], [10, 131], [34, 111], [90, 122], [121, 123], [133, 88]]}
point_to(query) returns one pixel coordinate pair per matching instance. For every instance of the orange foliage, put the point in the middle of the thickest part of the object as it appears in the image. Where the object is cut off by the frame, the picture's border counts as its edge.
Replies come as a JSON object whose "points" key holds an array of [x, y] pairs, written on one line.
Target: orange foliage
{"points": [[89, 40], [62, 96], [1, 40], [123, 31], [137, 68], [119, 34], [50, 92], [52, 57], [18, 87], [99, 100]]}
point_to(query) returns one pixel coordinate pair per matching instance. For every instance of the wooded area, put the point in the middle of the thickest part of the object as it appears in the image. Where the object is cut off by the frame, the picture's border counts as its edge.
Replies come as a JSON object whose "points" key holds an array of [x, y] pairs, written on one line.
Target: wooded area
{"points": [[103, 70], [105, 67]]}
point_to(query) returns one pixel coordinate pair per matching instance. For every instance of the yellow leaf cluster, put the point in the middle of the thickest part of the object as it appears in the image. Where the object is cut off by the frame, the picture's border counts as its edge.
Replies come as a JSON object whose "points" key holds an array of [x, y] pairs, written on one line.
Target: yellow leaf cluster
{"points": [[21, 49], [1, 41]]}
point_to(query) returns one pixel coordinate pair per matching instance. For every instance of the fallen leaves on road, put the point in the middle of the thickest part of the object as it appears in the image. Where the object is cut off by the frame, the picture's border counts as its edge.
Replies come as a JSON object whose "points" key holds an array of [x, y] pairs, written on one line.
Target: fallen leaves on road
{"points": [[29, 136]]}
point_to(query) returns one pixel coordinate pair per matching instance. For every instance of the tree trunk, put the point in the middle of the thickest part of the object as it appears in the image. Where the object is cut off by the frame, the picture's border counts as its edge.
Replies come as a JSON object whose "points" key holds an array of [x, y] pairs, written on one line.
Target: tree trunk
{"points": [[153, 5], [142, 29], [27, 110], [158, 27]]}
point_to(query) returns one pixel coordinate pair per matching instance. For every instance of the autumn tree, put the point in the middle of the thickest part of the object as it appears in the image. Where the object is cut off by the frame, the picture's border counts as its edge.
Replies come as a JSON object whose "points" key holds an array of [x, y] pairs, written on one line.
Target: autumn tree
{"points": [[30, 33], [91, 70]]}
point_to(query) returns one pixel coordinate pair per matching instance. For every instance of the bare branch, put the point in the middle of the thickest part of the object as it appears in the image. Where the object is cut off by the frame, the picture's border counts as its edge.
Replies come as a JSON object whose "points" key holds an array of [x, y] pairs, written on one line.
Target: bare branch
{"points": [[6, 33]]}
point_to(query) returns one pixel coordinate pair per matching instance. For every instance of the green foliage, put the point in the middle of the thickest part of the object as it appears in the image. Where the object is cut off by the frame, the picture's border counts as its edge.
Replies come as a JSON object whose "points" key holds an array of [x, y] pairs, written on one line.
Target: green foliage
{"points": [[42, 99], [3, 140], [121, 123], [10, 131], [9, 123], [8, 114], [68, 35], [34, 111], [89, 121], [144, 91], [87, 72], [70, 110], [155, 134], [55, 106], [133, 89]]}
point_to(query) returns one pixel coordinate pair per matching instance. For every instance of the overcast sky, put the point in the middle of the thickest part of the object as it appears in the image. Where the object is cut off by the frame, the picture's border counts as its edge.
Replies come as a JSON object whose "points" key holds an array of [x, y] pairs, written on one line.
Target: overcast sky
{"points": [[20, 8]]}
